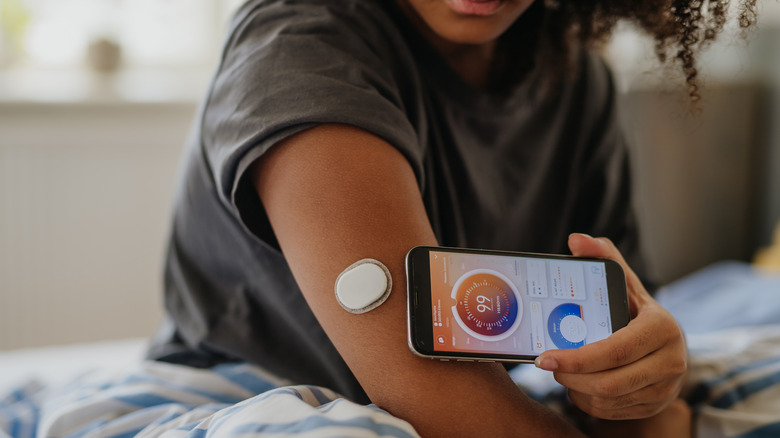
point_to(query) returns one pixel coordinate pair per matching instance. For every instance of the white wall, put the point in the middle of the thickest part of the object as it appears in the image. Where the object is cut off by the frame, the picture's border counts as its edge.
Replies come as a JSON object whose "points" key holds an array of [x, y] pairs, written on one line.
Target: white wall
{"points": [[698, 178], [85, 193], [707, 183]]}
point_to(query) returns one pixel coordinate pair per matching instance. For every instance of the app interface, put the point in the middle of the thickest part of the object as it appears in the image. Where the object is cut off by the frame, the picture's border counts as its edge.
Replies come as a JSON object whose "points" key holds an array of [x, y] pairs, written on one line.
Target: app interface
{"points": [[516, 305]]}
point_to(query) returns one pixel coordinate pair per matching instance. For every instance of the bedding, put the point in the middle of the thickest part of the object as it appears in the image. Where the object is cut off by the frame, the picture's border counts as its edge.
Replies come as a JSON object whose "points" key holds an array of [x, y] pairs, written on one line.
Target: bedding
{"points": [[730, 312], [56, 365], [160, 399]]}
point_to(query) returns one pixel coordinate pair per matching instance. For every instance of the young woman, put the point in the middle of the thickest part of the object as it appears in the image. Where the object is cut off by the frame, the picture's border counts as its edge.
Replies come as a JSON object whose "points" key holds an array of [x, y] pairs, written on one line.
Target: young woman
{"points": [[346, 129]]}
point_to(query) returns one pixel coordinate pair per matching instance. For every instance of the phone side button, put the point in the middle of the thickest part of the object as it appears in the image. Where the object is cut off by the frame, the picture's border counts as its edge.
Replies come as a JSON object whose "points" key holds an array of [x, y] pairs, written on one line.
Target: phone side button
{"points": [[465, 360]]}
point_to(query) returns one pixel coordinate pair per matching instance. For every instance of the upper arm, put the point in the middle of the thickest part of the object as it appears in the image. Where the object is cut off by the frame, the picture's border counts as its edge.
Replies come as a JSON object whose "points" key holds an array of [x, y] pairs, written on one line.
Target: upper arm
{"points": [[336, 194], [338, 191]]}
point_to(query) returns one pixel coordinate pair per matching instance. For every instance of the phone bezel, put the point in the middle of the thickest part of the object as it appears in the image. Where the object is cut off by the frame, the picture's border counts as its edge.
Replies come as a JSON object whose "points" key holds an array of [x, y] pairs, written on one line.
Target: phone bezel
{"points": [[419, 314]]}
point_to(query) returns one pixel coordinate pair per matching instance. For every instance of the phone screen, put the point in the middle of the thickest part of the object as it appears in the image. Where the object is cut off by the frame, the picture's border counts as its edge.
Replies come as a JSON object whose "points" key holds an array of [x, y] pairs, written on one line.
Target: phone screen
{"points": [[514, 305]]}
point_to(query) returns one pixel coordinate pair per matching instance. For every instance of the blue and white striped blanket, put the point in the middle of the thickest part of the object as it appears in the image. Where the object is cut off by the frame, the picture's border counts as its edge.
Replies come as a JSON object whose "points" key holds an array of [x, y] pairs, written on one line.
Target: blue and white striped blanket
{"points": [[734, 385], [735, 382], [164, 400], [731, 315]]}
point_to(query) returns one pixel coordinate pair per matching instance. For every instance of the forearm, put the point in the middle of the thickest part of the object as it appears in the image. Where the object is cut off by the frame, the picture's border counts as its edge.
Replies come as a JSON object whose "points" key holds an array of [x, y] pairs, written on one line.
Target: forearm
{"points": [[459, 399], [437, 398]]}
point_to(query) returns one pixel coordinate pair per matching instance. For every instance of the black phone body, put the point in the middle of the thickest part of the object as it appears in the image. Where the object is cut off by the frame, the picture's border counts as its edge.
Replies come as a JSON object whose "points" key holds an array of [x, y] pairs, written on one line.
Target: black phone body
{"points": [[468, 304]]}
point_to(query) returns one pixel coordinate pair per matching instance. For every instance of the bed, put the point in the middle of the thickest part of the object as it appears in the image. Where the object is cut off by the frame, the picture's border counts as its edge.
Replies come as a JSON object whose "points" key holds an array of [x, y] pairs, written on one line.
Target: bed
{"points": [[730, 312]]}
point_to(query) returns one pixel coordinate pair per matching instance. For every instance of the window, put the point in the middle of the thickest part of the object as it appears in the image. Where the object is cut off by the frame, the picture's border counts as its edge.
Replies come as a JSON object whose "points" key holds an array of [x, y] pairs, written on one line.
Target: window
{"points": [[132, 40]]}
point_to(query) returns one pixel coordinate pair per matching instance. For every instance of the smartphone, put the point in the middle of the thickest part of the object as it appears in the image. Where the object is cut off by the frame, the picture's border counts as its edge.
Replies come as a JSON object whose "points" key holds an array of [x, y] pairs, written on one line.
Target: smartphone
{"points": [[467, 304]]}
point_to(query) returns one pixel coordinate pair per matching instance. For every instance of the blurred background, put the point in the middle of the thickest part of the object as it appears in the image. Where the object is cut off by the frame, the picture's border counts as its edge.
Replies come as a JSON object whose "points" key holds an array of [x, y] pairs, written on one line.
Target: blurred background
{"points": [[97, 96]]}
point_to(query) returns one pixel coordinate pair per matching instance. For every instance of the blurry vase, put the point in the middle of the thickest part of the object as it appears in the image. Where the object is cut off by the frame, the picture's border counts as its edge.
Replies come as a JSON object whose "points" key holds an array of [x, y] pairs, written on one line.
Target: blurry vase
{"points": [[104, 55]]}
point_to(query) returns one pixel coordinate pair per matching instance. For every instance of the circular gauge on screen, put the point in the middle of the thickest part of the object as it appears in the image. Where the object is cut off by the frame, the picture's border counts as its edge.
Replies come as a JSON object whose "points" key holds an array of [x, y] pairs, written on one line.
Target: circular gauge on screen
{"points": [[566, 327], [488, 305]]}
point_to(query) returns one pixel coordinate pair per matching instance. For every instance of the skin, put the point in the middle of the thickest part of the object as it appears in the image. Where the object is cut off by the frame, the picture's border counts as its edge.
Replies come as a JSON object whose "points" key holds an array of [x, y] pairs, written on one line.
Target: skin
{"points": [[466, 42], [335, 194]]}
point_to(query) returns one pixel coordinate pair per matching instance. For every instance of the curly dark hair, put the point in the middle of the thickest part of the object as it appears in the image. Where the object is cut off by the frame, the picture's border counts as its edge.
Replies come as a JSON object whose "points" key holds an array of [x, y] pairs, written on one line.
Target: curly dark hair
{"points": [[551, 28]]}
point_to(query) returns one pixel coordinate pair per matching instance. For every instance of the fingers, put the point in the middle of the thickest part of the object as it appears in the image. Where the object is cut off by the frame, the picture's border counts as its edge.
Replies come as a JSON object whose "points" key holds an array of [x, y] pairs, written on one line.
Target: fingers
{"points": [[583, 245], [674, 421], [654, 368], [640, 404], [648, 332], [630, 413], [632, 374], [625, 381]]}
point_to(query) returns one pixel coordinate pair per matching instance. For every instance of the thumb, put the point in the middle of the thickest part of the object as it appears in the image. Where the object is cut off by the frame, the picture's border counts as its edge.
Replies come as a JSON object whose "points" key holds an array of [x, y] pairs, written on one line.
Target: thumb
{"points": [[583, 245]]}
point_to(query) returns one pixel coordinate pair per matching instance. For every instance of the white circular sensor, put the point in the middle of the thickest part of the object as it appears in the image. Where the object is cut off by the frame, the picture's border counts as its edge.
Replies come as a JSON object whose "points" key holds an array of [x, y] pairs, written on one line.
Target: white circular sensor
{"points": [[363, 286], [573, 329]]}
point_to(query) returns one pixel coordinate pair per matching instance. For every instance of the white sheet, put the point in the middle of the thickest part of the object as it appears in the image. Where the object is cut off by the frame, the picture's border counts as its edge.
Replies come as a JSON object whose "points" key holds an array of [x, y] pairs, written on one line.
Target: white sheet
{"points": [[59, 364]]}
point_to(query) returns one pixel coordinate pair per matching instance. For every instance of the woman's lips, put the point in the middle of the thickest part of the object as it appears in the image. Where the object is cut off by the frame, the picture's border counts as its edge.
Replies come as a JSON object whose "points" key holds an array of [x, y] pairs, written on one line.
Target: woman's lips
{"points": [[476, 7]]}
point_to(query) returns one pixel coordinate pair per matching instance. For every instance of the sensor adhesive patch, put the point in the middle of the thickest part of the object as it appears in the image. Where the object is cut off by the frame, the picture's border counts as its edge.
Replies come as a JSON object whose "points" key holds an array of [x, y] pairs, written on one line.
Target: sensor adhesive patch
{"points": [[363, 286]]}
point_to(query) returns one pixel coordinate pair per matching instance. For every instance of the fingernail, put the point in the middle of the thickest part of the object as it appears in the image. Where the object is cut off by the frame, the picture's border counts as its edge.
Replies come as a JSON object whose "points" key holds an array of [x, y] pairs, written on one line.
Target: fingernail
{"points": [[546, 363]]}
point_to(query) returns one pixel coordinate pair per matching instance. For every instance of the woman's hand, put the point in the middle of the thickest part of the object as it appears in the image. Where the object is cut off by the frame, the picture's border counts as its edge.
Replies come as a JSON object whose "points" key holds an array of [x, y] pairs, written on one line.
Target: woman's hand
{"points": [[635, 373]]}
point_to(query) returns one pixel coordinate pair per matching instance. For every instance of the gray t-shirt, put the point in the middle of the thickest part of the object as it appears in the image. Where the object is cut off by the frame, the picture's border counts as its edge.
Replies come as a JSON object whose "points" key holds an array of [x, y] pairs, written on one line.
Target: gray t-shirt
{"points": [[519, 171]]}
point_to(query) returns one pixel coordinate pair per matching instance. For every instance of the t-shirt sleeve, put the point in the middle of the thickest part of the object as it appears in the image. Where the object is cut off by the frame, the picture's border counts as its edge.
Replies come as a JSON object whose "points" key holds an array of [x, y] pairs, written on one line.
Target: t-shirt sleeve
{"points": [[289, 66]]}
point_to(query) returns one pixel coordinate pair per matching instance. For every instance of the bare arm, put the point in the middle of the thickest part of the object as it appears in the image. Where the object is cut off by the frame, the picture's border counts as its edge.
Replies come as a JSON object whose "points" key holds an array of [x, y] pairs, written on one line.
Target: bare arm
{"points": [[335, 194]]}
